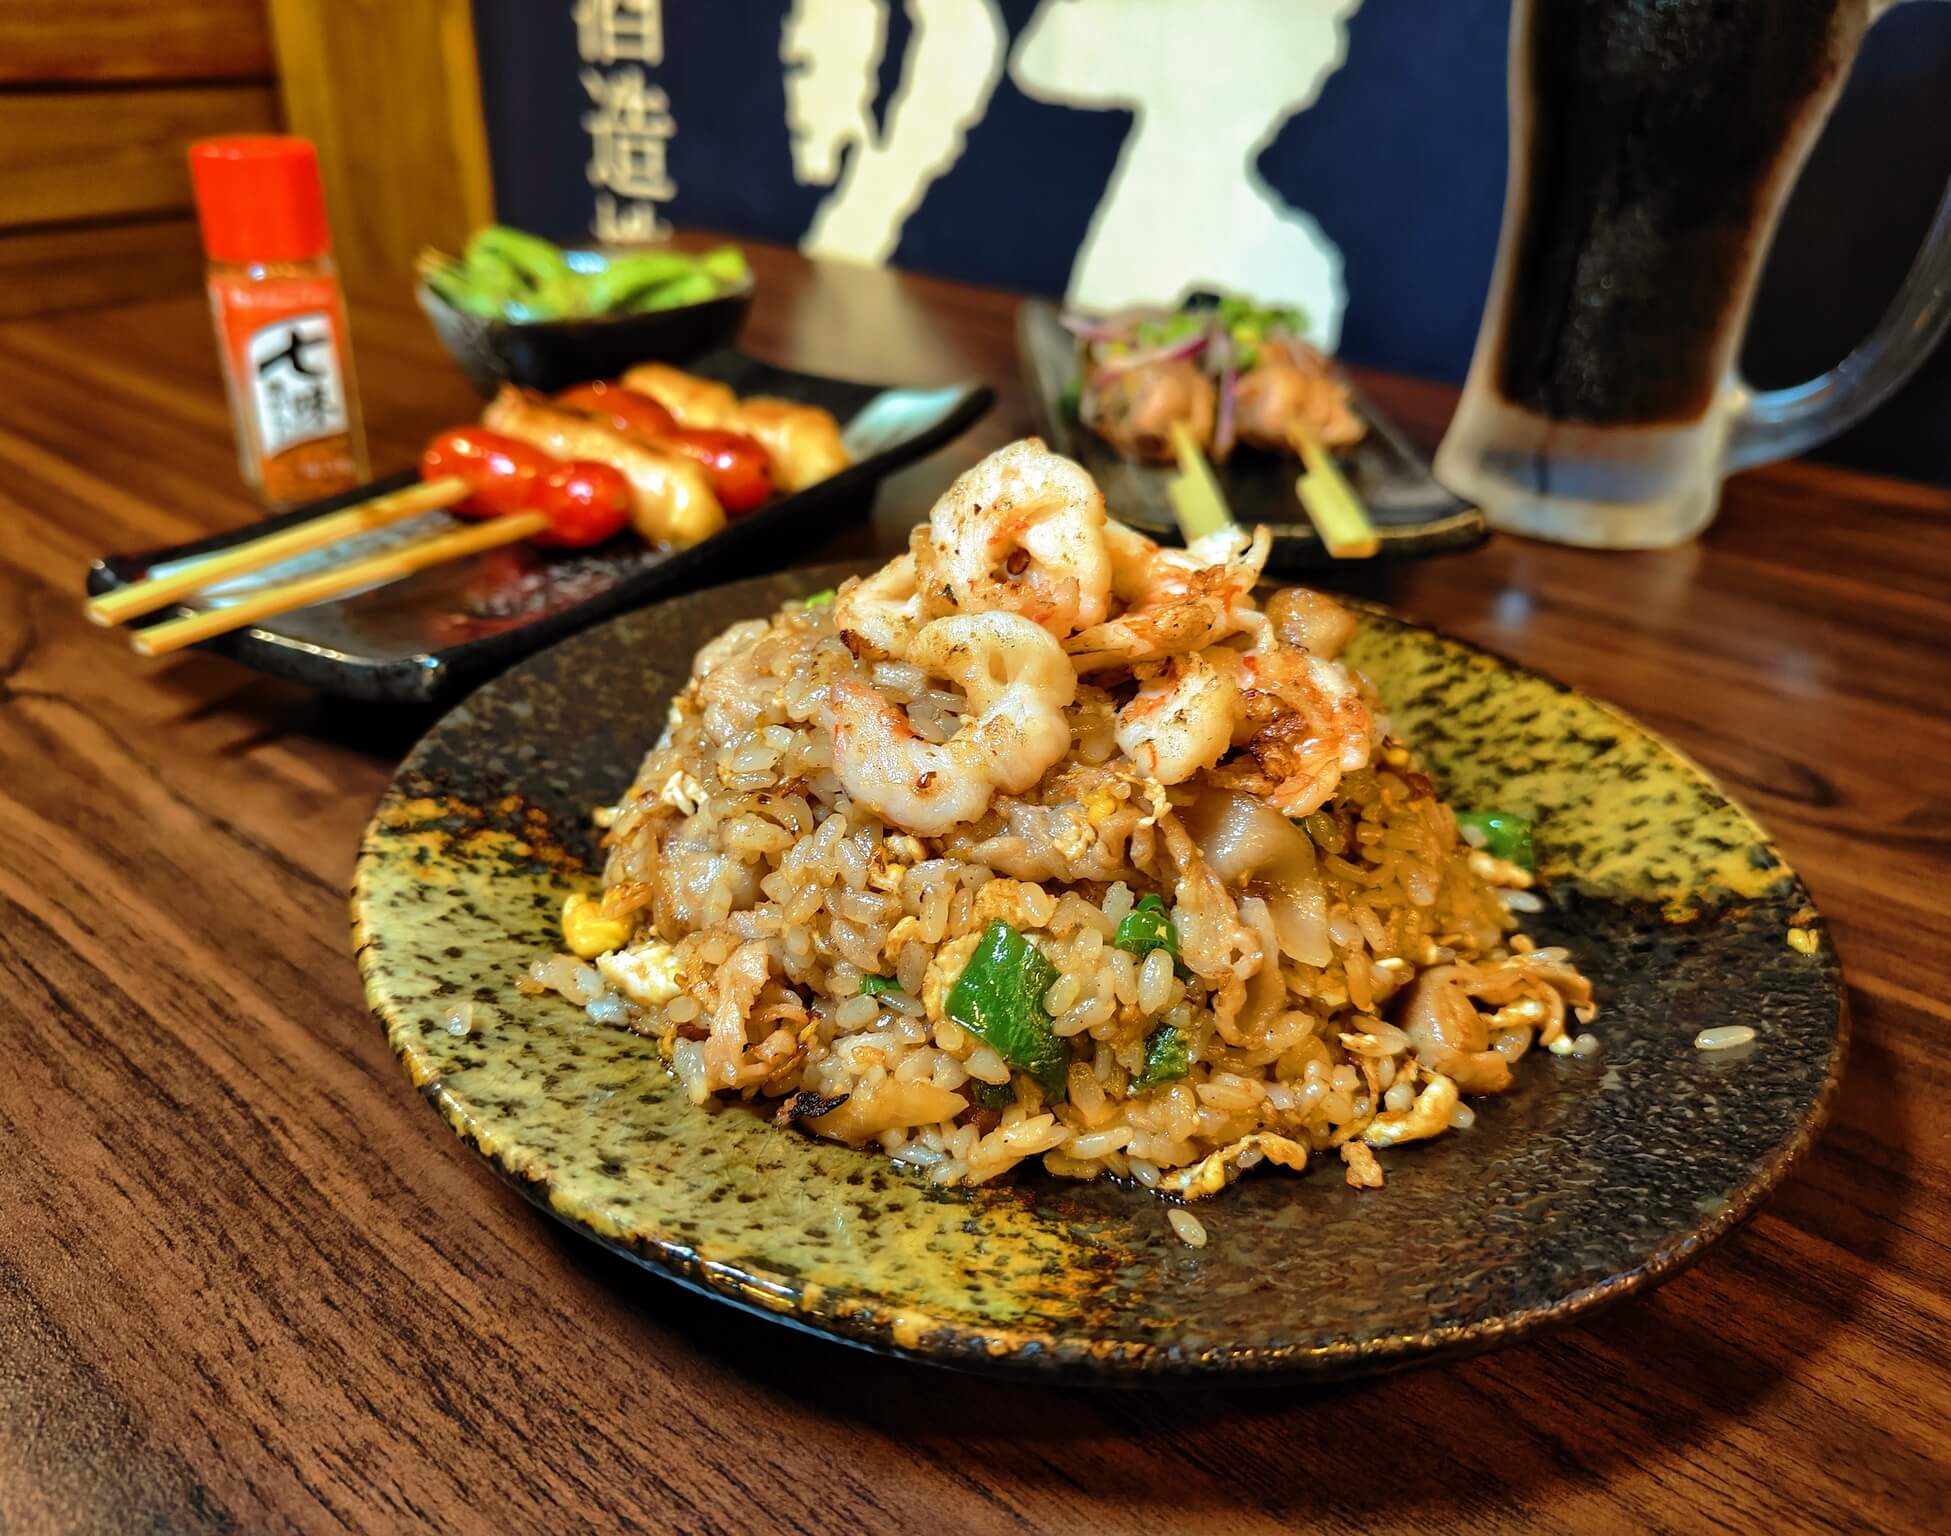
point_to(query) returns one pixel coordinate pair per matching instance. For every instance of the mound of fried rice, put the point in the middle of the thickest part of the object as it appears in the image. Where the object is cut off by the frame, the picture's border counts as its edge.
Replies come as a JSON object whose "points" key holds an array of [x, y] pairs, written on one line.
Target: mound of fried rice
{"points": [[1342, 980]]}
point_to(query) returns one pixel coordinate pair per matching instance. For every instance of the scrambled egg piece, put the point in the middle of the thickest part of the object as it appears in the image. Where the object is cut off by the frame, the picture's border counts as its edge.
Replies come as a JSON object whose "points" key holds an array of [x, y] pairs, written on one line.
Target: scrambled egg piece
{"points": [[1216, 1170], [586, 932], [1428, 1116], [943, 972], [646, 975], [1073, 838], [1005, 899], [904, 929], [889, 864]]}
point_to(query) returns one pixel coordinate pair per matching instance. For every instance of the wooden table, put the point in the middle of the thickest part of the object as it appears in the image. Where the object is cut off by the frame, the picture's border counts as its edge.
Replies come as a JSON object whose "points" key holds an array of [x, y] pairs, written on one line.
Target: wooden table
{"points": [[248, 1281]]}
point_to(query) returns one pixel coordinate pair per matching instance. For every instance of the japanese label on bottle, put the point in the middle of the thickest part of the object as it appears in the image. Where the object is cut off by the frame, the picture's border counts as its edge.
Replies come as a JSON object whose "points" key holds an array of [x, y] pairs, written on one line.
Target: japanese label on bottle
{"points": [[297, 391]]}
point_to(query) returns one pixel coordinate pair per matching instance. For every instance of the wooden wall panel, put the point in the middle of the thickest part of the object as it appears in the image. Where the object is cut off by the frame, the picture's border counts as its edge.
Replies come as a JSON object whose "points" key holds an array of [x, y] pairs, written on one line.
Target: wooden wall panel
{"points": [[390, 92], [78, 267], [98, 154], [99, 40], [97, 100]]}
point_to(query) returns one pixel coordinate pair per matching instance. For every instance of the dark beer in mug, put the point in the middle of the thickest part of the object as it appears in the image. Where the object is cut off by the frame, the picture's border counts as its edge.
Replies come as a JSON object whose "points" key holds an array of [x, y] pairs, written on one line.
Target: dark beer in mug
{"points": [[1653, 145]]}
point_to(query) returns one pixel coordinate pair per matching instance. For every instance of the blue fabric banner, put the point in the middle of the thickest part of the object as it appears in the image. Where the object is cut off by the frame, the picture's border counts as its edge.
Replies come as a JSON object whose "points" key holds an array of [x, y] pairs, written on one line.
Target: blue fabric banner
{"points": [[1343, 155]]}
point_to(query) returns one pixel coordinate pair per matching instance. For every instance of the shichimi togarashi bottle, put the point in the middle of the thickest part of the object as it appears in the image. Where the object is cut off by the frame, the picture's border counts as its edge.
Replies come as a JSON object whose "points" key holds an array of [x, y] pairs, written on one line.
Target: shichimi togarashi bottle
{"points": [[280, 317]]}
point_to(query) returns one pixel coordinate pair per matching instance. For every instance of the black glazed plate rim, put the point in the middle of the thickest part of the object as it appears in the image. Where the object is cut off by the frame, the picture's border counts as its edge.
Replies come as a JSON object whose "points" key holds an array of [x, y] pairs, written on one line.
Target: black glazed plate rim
{"points": [[443, 671]]}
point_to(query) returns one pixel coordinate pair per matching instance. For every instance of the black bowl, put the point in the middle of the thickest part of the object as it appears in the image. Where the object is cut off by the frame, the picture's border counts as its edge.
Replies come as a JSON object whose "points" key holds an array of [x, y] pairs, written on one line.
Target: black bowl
{"points": [[553, 354]]}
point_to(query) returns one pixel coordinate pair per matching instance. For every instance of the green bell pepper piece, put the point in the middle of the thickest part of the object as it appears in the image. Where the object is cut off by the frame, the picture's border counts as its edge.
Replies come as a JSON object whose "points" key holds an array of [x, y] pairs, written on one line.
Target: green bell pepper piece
{"points": [[874, 986], [998, 998], [1166, 1059], [1501, 834], [1146, 928], [990, 1095]]}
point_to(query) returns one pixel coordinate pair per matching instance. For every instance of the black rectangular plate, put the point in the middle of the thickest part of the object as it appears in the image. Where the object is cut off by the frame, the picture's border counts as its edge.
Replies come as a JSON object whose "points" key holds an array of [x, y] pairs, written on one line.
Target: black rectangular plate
{"points": [[431, 635], [1413, 515]]}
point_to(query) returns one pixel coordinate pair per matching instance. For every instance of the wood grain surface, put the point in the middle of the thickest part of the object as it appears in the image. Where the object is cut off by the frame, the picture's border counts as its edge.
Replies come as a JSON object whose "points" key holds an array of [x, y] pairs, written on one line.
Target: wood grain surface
{"points": [[98, 100], [89, 41], [391, 95], [96, 154], [248, 1281]]}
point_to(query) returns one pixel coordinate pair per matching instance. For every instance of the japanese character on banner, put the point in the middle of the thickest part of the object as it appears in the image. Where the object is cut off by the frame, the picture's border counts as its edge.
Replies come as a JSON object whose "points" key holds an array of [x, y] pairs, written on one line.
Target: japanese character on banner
{"points": [[620, 31], [629, 131]]}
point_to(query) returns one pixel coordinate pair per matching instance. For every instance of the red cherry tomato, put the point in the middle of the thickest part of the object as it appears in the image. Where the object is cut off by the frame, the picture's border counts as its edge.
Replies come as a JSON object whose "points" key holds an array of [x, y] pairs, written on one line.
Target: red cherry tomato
{"points": [[740, 470], [500, 471], [627, 410], [585, 501]]}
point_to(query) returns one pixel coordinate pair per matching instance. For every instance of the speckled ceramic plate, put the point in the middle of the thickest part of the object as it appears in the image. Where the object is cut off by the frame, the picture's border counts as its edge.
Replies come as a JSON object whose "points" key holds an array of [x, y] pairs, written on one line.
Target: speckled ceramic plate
{"points": [[1593, 1179]]}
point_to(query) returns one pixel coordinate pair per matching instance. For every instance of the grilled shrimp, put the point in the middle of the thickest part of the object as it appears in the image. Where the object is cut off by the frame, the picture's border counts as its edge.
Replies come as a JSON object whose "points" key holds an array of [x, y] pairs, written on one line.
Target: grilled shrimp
{"points": [[1294, 383], [1303, 723], [1018, 685], [1135, 411], [1311, 620], [671, 502], [1181, 720], [802, 441], [1177, 600], [1300, 717], [880, 612], [1023, 531]]}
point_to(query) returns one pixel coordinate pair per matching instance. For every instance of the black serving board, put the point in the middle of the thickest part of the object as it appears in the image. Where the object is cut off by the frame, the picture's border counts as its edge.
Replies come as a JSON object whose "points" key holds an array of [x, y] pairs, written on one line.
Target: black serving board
{"points": [[1413, 515], [435, 633]]}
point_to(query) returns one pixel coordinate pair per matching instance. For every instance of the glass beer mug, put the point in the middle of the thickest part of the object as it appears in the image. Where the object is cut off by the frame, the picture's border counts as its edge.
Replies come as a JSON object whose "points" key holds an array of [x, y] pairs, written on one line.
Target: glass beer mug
{"points": [[1653, 144]]}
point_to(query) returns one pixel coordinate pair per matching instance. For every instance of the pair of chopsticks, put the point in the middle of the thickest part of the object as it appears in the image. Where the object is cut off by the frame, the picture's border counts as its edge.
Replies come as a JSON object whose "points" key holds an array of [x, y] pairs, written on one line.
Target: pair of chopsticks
{"points": [[1328, 499], [197, 575]]}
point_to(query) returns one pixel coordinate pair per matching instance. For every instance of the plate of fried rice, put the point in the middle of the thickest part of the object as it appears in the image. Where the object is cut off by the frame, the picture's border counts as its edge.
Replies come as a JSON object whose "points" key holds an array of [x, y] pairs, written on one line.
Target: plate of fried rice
{"points": [[1053, 950]]}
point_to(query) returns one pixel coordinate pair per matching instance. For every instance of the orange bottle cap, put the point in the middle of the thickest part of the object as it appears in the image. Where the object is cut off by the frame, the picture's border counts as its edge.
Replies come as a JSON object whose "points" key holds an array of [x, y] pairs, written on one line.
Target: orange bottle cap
{"points": [[258, 198]]}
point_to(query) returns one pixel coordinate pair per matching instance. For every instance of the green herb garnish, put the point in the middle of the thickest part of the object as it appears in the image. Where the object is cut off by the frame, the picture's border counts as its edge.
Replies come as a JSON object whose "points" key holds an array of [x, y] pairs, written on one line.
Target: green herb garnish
{"points": [[998, 998], [874, 986], [818, 599]]}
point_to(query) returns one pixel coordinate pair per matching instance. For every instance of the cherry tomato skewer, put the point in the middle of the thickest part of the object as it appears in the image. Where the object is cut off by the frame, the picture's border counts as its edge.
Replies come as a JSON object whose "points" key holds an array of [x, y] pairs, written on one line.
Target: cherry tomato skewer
{"points": [[627, 410], [500, 471], [739, 469], [585, 501]]}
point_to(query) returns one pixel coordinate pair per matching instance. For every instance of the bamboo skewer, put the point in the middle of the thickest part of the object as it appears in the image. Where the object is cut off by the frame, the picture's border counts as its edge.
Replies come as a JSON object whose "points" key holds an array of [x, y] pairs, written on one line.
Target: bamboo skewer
{"points": [[1330, 501], [1197, 501], [388, 565], [155, 592]]}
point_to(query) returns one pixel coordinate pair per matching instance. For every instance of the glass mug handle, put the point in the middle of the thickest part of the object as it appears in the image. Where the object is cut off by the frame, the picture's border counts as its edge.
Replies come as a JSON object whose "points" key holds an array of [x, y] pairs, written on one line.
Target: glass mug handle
{"points": [[1777, 423]]}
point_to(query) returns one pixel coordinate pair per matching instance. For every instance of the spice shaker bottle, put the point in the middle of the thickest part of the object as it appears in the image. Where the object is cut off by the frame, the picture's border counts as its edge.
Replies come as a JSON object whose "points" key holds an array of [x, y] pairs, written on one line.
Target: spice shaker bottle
{"points": [[280, 317]]}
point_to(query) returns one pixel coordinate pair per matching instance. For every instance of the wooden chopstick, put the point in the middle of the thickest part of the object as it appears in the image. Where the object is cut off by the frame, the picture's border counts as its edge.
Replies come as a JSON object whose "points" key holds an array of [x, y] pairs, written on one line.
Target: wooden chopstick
{"points": [[388, 565], [155, 592]]}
